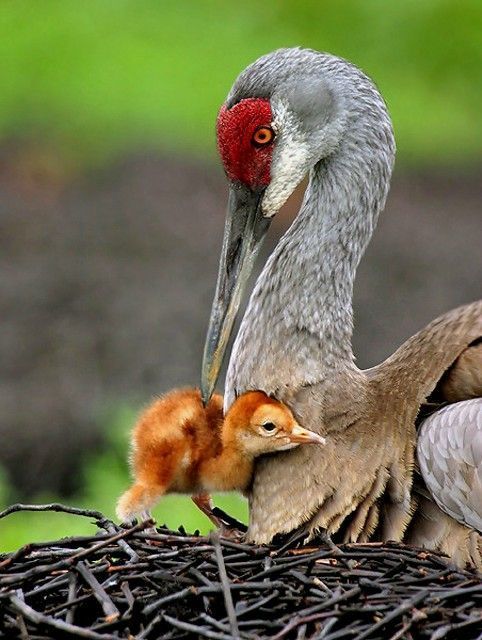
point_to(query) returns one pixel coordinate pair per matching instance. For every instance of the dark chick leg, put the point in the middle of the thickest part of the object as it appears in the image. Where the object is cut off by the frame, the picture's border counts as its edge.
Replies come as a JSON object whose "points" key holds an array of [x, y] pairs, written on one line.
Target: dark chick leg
{"points": [[226, 530], [204, 503]]}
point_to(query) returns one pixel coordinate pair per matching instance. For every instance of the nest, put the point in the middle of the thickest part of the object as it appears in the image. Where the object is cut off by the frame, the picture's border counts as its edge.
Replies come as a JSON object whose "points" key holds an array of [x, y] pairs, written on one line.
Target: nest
{"points": [[130, 583]]}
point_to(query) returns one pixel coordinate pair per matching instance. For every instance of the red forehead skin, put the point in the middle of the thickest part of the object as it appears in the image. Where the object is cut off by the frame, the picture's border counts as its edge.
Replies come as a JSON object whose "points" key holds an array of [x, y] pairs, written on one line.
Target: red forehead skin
{"points": [[242, 160]]}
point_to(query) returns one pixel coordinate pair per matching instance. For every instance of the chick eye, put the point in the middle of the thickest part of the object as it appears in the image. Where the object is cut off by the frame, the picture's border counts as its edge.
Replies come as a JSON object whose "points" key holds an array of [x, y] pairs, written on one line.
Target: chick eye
{"points": [[269, 427], [262, 136]]}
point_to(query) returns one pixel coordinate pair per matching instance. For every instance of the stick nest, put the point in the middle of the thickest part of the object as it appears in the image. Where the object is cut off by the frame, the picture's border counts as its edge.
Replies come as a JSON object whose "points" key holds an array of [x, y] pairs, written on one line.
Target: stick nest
{"points": [[128, 583]]}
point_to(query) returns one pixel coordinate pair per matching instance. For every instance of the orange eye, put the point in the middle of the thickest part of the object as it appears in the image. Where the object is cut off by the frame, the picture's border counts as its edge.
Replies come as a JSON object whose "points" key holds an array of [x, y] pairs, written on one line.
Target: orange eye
{"points": [[262, 136]]}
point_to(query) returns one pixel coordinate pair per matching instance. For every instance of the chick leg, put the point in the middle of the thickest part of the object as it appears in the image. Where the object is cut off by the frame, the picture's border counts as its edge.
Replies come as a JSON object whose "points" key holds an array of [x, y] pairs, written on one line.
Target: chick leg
{"points": [[204, 503], [138, 500]]}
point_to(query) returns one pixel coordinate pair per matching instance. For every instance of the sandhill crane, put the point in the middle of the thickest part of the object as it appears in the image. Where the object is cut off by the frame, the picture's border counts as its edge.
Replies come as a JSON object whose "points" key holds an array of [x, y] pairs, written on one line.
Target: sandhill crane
{"points": [[295, 112]]}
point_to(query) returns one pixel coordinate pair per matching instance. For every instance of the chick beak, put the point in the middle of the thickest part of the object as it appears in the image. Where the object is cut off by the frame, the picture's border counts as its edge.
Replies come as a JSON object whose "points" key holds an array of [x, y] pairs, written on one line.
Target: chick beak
{"points": [[303, 436]]}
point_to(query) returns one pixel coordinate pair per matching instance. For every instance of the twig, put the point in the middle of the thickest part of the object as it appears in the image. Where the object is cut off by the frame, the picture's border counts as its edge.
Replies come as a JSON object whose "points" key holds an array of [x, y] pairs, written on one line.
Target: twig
{"points": [[198, 630], [442, 632], [100, 594], [228, 598], [179, 595], [134, 557], [72, 595], [39, 618], [400, 610], [191, 586], [65, 562], [53, 506]]}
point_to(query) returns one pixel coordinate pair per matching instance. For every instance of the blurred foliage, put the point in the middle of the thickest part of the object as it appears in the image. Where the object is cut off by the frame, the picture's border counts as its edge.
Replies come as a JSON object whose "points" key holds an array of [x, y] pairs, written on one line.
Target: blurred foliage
{"points": [[105, 478], [98, 77]]}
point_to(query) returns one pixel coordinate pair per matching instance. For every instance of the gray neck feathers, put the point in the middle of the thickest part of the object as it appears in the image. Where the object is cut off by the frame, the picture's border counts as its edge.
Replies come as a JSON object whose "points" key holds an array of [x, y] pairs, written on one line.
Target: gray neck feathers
{"points": [[298, 326]]}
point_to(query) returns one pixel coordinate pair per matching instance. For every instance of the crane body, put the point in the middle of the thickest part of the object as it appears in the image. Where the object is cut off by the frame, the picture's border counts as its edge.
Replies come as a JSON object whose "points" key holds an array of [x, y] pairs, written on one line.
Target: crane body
{"points": [[291, 113]]}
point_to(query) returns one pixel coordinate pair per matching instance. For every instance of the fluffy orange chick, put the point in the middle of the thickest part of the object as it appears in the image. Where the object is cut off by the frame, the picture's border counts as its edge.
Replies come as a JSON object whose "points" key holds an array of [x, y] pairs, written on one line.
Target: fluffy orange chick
{"points": [[180, 446]]}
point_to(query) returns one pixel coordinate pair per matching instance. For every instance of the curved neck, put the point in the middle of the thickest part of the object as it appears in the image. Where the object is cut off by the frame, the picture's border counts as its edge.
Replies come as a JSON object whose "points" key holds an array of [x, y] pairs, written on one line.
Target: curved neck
{"points": [[298, 326]]}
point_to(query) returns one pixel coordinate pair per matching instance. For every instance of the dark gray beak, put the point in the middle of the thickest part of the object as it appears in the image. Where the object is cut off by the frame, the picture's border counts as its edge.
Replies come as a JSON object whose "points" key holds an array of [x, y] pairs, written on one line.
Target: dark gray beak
{"points": [[243, 235]]}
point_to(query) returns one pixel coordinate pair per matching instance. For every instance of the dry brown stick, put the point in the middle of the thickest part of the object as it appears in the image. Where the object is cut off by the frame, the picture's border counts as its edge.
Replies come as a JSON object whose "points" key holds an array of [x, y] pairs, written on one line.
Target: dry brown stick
{"points": [[129, 597], [335, 600], [39, 618], [327, 627], [194, 628], [15, 556], [244, 586], [402, 632], [72, 594], [24, 634], [258, 603], [50, 585], [67, 606], [149, 627], [100, 594], [200, 577], [348, 632], [314, 613], [449, 628], [31, 547], [400, 610], [302, 620], [228, 598], [215, 623], [20, 621], [105, 543], [53, 506], [456, 593], [134, 557], [100, 518], [66, 562], [150, 608], [168, 537]]}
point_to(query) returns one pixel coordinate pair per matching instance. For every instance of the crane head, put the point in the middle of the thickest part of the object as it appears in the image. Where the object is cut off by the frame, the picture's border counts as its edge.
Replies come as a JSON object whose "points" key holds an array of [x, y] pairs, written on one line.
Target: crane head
{"points": [[285, 113]]}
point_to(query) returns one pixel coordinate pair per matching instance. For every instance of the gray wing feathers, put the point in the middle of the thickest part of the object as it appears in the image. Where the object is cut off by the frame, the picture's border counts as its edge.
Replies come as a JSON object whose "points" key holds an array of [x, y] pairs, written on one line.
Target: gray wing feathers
{"points": [[449, 451]]}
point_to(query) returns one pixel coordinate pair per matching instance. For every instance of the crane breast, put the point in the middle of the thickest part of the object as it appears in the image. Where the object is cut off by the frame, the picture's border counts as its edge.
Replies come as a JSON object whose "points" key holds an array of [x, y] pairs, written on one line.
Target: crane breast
{"points": [[449, 450]]}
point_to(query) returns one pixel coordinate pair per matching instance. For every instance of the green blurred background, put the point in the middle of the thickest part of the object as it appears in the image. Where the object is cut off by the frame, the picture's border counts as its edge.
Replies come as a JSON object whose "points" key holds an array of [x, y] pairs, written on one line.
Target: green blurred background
{"points": [[89, 82], [98, 77]]}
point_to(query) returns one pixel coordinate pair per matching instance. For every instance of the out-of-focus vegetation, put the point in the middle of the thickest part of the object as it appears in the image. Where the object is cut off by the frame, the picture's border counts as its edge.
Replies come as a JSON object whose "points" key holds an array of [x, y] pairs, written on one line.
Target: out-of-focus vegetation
{"points": [[105, 478], [98, 77]]}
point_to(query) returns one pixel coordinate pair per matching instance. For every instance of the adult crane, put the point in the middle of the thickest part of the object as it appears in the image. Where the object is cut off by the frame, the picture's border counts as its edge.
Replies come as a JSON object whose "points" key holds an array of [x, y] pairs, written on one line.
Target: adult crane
{"points": [[291, 113]]}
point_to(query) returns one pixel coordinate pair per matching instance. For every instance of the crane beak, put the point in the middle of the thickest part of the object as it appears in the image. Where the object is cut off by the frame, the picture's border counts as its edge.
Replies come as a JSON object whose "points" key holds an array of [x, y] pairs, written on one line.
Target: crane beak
{"points": [[244, 232], [304, 436]]}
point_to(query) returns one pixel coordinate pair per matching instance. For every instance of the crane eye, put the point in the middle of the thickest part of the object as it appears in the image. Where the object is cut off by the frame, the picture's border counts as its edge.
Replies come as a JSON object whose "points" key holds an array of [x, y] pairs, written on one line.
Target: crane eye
{"points": [[262, 136], [269, 427]]}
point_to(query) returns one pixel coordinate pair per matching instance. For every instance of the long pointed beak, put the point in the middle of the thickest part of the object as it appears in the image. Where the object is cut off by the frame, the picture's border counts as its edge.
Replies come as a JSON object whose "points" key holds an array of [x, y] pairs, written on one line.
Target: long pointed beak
{"points": [[304, 436], [244, 232]]}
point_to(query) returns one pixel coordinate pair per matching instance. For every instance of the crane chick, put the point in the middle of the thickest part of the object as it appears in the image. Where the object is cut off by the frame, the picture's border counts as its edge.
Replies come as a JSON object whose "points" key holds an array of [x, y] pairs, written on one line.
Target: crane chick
{"points": [[180, 446]]}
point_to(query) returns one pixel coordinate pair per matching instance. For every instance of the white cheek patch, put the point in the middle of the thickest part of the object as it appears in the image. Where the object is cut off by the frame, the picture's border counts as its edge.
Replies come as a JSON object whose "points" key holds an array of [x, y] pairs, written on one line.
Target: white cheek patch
{"points": [[290, 162]]}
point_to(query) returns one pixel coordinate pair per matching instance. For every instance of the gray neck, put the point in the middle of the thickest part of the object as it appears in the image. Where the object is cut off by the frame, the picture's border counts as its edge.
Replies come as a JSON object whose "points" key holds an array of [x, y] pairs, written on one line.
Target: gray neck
{"points": [[298, 326]]}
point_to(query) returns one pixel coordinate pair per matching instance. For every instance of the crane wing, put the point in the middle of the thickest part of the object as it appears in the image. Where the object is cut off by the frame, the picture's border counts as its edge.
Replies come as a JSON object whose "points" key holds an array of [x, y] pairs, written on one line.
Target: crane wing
{"points": [[449, 450], [416, 367]]}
